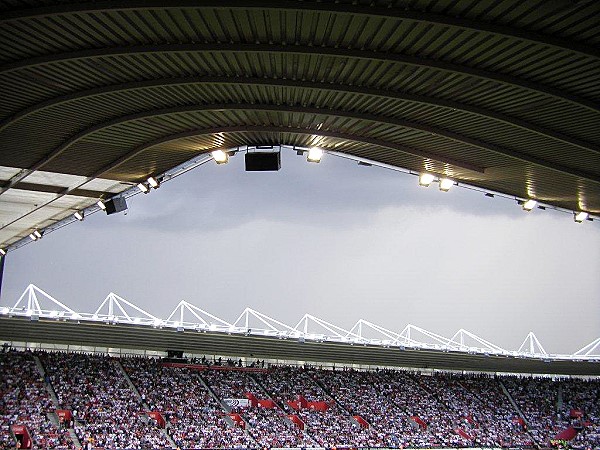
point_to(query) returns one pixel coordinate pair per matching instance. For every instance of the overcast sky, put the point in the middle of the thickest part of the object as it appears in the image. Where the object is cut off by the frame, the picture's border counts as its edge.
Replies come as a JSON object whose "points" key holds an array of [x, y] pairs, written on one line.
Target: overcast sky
{"points": [[336, 240]]}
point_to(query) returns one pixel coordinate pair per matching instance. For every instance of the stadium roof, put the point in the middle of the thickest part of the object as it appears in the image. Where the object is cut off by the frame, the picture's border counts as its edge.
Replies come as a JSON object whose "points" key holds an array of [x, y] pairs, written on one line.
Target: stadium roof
{"points": [[98, 96], [37, 317]]}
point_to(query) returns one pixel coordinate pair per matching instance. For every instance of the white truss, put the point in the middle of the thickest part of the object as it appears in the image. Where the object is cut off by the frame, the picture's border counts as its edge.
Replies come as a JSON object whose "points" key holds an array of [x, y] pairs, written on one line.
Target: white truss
{"points": [[434, 340], [29, 303], [389, 337], [462, 336], [114, 309], [213, 323], [592, 350], [36, 304], [249, 317], [532, 345], [306, 327]]}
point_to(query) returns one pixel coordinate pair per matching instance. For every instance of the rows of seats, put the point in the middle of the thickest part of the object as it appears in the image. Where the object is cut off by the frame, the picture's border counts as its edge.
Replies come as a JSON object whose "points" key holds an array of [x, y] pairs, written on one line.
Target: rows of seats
{"points": [[106, 412], [330, 428], [111, 398], [24, 400], [194, 418], [268, 427]]}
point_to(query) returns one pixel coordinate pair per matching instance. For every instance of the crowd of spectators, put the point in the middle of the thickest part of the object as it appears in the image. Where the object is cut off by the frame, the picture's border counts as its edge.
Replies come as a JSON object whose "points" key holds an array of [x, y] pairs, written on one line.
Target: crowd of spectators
{"points": [[480, 408], [194, 419], [269, 427], [106, 411], [547, 403], [330, 428], [380, 408], [24, 400]]}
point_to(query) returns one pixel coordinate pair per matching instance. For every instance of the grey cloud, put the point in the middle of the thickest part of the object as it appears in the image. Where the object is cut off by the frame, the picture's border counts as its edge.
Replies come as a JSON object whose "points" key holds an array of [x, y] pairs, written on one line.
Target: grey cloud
{"points": [[335, 240]]}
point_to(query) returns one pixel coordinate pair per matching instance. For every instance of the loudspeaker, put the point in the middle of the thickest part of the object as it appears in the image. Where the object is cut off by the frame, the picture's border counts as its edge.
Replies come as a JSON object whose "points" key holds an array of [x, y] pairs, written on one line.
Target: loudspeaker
{"points": [[115, 205], [263, 161]]}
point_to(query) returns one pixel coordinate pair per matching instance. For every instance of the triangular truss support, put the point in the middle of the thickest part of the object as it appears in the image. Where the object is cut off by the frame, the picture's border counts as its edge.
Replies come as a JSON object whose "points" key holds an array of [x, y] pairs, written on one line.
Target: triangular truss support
{"points": [[391, 337], [407, 335], [532, 345], [592, 350], [115, 305], [29, 301], [460, 336], [178, 316], [273, 326], [337, 333]]}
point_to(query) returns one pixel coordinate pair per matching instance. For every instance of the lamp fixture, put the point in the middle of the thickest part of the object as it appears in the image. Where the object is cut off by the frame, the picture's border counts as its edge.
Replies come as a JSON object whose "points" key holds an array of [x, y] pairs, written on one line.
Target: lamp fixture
{"points": [[580, 216], [153, 182], [101, 205], [446, 184], [220, 156], [529, 204], [143, 188], [79, 215], [315, 154], [425, 179]]}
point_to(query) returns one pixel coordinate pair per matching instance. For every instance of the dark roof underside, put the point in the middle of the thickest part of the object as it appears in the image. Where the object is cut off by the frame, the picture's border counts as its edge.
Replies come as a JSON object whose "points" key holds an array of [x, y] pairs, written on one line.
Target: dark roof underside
{"points": [[147, 338], [500, 94]]}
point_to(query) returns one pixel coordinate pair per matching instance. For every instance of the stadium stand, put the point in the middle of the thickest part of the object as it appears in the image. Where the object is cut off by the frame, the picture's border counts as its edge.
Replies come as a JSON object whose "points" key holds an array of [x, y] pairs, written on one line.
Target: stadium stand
{"points": [[194, 418], [287, 406], [24, 400], [106, 411]]}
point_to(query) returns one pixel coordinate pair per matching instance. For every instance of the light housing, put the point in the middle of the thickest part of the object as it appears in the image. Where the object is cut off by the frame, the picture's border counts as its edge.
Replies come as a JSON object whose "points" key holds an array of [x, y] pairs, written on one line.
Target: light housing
{"points": [[153, 182], [2, 252], [101, 205], [220, 156], [315, 154], [33, 237], [79, 215], [143, 188], [37, 234], [529, 204], [580, 216], [425, 179], [446, 184]]}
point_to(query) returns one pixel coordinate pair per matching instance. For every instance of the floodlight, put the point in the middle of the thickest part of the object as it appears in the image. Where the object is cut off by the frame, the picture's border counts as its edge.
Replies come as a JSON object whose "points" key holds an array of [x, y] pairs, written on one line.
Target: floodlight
{"points": [[37, 234], [153, 182], [314, 155], [143, 188], [581, 216], [446, 184], [101, 205], [220, 156], [2, 252], [529, 204], [79, 215], [33, 237], [425, 179]]}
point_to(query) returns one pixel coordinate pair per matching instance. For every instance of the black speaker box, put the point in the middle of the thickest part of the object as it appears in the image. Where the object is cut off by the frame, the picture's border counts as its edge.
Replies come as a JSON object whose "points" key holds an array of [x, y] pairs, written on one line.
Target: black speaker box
{"points": [[263, 161], [115, 205]]}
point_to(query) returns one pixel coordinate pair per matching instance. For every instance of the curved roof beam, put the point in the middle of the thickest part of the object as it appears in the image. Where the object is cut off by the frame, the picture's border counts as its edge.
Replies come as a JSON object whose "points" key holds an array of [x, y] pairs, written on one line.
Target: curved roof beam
{"points": [[417, 98], [336, 8], [307, 110], [240, 129], [410, 60], [252, 107]]}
